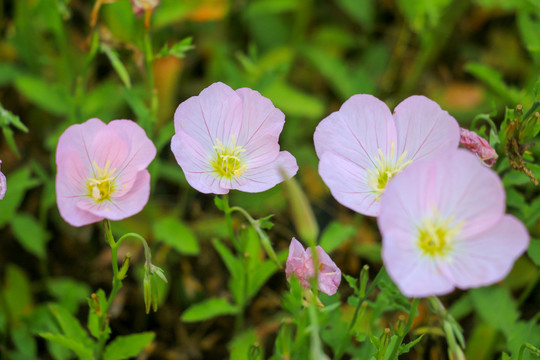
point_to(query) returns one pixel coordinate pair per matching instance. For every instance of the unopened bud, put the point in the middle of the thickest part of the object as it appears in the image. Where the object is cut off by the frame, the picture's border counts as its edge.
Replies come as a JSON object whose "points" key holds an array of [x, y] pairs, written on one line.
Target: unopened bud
{"points": [[147, 293], [364, 277], [125, 266], [479, 146], [302, 214]]}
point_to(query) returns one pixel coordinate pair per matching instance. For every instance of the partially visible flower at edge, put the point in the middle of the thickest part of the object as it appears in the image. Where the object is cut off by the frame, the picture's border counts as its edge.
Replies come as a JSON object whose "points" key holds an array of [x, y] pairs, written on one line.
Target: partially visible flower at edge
{"points": [[140, 6], [3, 184], [363, 146], [443, 226], [228, 139], [479, 146], [101, 171], [300, 263]]}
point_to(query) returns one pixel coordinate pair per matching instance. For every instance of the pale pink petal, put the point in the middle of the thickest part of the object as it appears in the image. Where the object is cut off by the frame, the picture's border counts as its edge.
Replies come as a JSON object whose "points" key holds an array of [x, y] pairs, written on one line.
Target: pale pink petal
{"points": [[93, 151], [415, 274], [3, 184], [121, 207], [266, 177], [424, 129], [195, 163], [215, 114], [295, 259], [262, 150], [357, 131], [76, 137], [329, 274], [478, 146], [348, 184], [489, 256], [260, 119], [407, 199], [472, 193]]}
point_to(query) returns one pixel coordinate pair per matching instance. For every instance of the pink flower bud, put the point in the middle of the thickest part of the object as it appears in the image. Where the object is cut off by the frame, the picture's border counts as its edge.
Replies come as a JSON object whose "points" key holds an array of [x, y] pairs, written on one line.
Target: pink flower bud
{"points": [[300, 263], [140, 6], [479, 146], [3, 184]]}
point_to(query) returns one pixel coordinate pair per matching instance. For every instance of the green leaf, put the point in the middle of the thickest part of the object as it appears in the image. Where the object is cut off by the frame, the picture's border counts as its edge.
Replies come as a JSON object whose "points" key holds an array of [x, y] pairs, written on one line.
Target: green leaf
{"points": [[423, 14], [174, 233], [494, 81], [208, 309], [495, 306], [44, 95], [259, 275], [30, 234], [534, 251], [363, 12], [293, 101], [219, 203], [335, 234], [529, 27], [69, 325], [179, 49], [24, 342], [405, 348], [8, 118], [117, 65], [125, 347], [17, 293], [69, 292], [17, 184], [242, 345], [76, 346]]}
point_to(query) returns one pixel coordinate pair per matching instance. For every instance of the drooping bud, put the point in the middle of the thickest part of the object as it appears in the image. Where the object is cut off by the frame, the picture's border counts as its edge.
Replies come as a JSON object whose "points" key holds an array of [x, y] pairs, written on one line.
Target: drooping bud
{"points": [[479, 146], [300, 263]]}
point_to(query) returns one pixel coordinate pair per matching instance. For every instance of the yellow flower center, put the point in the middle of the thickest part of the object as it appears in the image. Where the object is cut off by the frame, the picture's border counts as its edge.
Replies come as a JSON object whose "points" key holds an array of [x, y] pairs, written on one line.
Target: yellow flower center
{"points": [[385, 169], [227, 161], [435, 235], [101, 186]]}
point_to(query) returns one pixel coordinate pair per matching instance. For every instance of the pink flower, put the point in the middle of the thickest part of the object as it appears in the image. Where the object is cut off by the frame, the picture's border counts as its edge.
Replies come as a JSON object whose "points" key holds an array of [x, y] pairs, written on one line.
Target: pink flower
{"points": [[478, 145], [140, 6], [102, 171], [228, 139], [3, 184], [443, 226], [362, 146], [300, 263]]}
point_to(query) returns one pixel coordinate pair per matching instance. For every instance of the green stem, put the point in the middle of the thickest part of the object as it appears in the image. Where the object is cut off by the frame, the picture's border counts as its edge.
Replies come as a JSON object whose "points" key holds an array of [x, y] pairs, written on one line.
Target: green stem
{"points": [[403, 333], [239, 323], [149, 60], [532, 109], [227, 210], [265, 240], [361, 300], [487, 119]]}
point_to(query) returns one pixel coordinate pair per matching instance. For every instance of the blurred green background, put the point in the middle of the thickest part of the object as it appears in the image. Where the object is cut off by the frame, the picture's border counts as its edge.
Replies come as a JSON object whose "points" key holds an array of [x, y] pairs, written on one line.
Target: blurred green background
{"points": [[308, 56]]}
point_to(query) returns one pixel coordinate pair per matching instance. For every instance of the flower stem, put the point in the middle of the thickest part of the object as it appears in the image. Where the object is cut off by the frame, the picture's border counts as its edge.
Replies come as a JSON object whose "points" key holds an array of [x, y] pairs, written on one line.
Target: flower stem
{"points": [[361, 300], [239, 323], [265, 240], [117, 283], [404, 332]]}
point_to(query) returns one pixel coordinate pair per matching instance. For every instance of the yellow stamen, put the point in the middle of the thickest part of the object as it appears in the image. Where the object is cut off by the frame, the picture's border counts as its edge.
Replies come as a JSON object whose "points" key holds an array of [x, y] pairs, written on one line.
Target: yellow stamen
{"points": [[101, 186], [385, 169], [227, 161], [436, 235]]}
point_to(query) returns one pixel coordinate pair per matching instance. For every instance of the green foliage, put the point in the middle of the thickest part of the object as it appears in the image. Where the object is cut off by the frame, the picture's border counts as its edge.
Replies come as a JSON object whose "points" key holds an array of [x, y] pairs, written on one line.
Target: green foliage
{"points": [[208, 309], [126, 347], [30, 234], [176, 234]]}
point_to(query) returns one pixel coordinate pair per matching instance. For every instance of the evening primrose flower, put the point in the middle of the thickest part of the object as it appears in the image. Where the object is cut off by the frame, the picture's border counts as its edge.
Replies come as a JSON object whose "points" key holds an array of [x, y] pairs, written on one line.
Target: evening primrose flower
{"points": [[227, 139], [101, 171], [443, 226], [479, 146], [3, 184], [362, 146], [300, 263]]}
